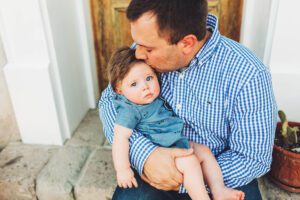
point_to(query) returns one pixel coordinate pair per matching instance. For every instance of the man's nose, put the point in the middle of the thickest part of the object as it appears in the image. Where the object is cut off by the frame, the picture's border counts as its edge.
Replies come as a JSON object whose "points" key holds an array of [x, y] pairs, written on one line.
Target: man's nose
{"points": [[140, 53]]}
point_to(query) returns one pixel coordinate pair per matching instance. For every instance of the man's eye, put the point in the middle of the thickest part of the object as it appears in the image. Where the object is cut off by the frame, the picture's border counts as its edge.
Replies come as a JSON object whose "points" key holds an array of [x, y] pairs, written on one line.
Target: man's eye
{"points": [[133, 84], [148, 50], [149, 78]]}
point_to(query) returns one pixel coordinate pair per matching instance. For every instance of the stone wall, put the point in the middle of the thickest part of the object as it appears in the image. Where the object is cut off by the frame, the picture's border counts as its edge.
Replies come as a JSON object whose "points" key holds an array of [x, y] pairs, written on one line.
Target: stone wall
{"points": [[8, 126]]}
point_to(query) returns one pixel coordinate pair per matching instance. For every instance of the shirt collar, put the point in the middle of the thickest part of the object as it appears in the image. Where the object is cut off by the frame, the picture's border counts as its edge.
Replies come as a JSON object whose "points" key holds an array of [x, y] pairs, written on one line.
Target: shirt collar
{"points": [[120, 97], [208, 48]]}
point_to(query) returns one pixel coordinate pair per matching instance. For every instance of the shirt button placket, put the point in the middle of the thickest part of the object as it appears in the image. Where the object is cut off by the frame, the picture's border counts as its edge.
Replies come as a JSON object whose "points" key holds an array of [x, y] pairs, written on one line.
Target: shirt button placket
{"points": [[181, 76], [179, 95], [178, 106]]}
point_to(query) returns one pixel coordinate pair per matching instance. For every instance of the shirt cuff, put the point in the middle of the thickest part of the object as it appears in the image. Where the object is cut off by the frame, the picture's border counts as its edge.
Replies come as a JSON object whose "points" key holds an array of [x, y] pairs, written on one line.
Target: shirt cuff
{"points": [[140, 149]]}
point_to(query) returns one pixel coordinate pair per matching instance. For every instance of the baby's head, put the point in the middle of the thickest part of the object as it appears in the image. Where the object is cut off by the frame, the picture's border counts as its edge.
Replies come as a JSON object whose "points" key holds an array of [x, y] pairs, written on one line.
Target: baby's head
{"points": [[132, 78]]}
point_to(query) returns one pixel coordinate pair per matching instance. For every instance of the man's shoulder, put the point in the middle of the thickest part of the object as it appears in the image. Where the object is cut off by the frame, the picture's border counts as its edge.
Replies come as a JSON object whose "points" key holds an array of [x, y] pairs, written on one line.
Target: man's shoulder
{"points": [[106, 96], [239, 51]]}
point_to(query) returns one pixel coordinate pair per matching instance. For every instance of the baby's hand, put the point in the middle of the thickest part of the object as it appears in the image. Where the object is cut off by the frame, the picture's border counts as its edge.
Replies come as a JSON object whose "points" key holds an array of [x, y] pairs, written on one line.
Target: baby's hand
{"points": [[126, 178]]}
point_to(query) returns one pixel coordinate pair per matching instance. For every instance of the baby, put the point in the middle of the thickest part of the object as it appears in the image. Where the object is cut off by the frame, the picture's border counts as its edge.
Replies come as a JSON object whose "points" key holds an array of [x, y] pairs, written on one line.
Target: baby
{"points": [[139, 107]]}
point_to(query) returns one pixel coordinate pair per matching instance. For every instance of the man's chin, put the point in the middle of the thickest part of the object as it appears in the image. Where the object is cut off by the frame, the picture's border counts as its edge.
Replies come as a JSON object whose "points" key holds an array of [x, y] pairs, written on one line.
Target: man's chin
{"points": [[162, 71], [157, 69]]}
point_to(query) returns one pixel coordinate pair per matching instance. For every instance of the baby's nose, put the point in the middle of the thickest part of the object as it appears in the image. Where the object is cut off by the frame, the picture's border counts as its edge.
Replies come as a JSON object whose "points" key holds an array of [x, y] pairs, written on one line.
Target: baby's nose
{"points": [[145, 86]]}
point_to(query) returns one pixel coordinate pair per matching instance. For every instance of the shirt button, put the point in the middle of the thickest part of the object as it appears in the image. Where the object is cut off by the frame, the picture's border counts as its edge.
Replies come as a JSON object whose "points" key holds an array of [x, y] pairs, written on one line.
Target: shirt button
{"points": [[178, 106], [181, 76]]}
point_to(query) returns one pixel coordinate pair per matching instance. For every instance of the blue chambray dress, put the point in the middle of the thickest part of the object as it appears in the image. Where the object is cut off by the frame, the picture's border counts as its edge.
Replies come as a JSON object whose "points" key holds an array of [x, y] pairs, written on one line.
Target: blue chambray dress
{"points": [[155, 121]]}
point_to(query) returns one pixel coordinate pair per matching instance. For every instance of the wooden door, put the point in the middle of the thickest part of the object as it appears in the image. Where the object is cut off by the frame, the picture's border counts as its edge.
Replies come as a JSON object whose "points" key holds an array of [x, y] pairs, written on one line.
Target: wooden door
{"points": [[112, 29]]}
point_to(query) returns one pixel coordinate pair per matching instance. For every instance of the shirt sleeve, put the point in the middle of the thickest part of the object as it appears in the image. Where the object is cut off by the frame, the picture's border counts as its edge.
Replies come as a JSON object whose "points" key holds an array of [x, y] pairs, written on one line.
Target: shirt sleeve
{"points": [[140, 147], [252, 127], [127, 114]]}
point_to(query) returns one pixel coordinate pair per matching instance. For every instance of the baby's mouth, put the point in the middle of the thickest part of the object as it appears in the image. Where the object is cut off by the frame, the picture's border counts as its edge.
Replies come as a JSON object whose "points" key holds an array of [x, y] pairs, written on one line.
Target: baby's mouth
{"points": [[148, 95]]}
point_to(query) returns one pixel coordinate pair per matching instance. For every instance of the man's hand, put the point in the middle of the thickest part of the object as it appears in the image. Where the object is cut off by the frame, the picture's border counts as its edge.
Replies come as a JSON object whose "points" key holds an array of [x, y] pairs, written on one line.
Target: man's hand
{"points": [[160, 170]]}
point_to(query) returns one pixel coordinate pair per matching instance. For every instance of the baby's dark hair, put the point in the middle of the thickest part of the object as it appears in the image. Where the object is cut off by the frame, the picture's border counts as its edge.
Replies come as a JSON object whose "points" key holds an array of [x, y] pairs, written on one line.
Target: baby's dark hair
{"points": [[120, 64]]}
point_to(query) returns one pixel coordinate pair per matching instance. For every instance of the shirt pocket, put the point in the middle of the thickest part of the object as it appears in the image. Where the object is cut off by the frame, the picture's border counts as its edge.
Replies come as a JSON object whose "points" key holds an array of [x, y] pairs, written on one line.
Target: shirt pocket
{"points": [[211, 116]]}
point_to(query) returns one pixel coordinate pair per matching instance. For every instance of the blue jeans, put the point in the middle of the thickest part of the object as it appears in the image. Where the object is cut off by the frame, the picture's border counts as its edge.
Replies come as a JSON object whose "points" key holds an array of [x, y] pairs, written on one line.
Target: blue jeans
{"points": [[147, 192]]}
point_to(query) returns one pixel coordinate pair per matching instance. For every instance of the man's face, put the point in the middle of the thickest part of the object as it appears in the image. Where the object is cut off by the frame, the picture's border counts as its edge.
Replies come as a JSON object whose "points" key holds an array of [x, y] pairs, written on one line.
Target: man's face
{"points": [[155, 50], [140, 85]]}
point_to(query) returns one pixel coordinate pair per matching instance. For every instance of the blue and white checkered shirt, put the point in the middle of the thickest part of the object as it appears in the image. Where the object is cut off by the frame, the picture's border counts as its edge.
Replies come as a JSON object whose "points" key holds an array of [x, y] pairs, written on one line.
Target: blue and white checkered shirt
{"points": [[226, 100]]}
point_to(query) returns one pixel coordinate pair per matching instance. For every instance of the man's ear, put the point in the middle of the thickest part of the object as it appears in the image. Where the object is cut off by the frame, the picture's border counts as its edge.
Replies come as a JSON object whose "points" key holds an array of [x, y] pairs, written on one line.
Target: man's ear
{"points": [[187, 43]]}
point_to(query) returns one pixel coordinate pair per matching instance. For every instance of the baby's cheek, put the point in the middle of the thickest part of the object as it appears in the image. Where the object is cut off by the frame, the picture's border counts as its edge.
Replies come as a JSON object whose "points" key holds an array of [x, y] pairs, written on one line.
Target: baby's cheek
{"points": [[158, 89]]}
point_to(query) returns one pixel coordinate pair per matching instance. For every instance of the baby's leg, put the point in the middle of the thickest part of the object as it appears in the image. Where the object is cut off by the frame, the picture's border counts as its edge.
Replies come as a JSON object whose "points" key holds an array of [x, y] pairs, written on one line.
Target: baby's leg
{"points": [[193, 181], [213, 175]]}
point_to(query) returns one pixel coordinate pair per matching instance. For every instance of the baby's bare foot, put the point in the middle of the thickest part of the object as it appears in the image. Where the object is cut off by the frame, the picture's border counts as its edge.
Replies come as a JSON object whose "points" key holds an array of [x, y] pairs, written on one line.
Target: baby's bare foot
{"points": [[228, 194]]}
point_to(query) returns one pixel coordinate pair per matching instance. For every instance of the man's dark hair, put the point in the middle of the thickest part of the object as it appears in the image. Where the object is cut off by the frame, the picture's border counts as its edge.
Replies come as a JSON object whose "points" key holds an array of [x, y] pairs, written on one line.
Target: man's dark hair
{"points": [[177, 18]]}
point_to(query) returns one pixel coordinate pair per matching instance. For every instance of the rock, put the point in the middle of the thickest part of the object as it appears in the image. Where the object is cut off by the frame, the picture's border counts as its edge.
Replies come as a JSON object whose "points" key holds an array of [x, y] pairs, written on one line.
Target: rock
{"points": [[19, 168], [98, 179], [58, 177], [89, 132], [270, 191]]}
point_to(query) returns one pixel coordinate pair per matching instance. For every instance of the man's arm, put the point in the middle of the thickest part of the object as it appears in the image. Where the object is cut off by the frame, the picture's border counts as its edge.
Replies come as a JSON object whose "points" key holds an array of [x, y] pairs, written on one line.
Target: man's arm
{"points": [[252, 133]]}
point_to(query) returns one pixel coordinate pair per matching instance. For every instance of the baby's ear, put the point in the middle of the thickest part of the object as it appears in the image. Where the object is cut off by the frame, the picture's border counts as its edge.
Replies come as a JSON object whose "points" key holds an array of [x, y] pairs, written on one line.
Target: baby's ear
{"points": [[118, 90]]}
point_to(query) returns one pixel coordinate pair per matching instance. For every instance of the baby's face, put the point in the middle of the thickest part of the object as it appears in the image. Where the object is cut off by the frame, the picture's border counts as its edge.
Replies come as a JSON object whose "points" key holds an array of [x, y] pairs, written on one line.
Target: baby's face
{"points": [[140, 85]]}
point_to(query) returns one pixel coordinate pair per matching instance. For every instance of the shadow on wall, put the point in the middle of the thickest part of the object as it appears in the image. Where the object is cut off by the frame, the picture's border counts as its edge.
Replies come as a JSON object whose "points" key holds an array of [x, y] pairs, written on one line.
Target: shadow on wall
{"points": [[8, 127]]}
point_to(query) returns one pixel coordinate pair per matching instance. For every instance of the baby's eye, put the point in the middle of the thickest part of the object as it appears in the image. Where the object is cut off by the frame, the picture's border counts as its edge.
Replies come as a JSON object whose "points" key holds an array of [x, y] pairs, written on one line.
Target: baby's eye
{"points": [[148, 50], [133, 84], [149, 78]]}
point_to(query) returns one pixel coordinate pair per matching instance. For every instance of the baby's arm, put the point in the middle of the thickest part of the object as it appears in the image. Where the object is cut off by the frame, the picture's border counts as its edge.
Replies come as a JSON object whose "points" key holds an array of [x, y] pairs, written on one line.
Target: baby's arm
{"points": [[120, 152]]}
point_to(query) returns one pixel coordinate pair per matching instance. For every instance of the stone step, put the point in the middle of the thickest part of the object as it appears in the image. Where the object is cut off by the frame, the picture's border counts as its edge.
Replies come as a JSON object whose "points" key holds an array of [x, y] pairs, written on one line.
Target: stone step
{"points": [[98, 180], [79, 173], [19, 167], [75, 170], [82, 169], [270, 191], [58, 178], [89, 132]]}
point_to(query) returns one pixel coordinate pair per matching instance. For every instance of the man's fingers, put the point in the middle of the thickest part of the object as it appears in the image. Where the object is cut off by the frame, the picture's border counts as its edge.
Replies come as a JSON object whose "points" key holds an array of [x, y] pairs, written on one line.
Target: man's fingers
{"points": [[171, 185], [171, 182], [164, 187], [177, 178], [160, 187], [176, 152], [174, 184], [145, 179]]}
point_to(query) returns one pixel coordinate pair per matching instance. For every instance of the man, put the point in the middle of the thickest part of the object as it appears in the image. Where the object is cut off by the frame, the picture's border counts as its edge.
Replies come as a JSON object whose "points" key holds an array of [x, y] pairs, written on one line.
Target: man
{"points": [[221, 90]]}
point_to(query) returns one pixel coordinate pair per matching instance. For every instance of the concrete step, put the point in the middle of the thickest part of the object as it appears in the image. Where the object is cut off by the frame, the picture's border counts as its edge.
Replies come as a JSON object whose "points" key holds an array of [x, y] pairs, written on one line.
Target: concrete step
{"points": [[19, 167], [89, 132], [79, 173], [81, 169], [58, 178], [270, 191], [98, 179], [30, 172]]}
